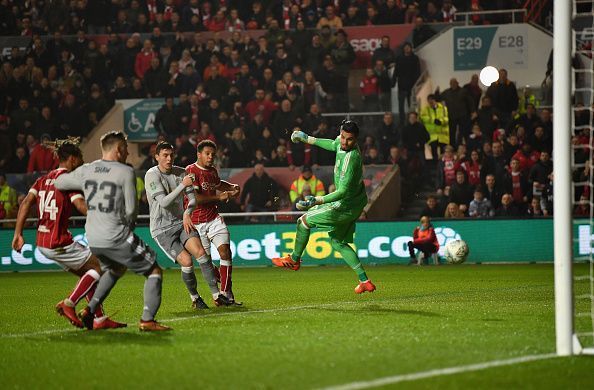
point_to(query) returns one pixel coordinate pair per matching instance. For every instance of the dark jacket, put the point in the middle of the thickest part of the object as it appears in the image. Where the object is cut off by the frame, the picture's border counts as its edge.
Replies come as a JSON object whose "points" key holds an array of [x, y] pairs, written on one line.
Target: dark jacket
{"points": [[504, 96], [414, 137], [461, 193], [407, 71], [260, 190], [540, 172]]}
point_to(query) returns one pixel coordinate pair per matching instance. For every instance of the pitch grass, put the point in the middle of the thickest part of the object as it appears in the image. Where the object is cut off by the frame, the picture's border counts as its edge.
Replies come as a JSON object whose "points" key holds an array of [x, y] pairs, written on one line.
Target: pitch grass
{"points": [[297, 330]]}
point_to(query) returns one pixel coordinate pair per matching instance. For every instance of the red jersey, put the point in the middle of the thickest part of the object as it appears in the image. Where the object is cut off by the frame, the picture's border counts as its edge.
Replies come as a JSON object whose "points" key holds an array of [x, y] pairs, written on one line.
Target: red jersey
{"points": [[205, 182], [517, 192], [473, 171], [369, 86], [449, 171], [54, 208]]}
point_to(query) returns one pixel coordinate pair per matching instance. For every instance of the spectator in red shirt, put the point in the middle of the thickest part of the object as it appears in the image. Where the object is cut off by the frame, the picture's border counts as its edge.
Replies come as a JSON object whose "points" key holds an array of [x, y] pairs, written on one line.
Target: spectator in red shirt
{"points": [[369, 91], [143, 59], [527, 158], [517, 184], [217, 23], [472, 168], [42, 159], [446, 172], [259, 104], [425, 240]]}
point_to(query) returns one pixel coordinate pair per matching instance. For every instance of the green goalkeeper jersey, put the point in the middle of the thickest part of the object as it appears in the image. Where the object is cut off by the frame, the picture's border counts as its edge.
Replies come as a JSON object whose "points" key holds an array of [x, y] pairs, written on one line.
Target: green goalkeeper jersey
{"points": [[348, 177]]}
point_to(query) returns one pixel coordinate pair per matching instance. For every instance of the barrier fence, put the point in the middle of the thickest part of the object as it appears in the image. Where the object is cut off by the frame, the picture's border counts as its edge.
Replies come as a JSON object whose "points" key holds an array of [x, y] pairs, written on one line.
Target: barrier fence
{"points": [[496, 241]]}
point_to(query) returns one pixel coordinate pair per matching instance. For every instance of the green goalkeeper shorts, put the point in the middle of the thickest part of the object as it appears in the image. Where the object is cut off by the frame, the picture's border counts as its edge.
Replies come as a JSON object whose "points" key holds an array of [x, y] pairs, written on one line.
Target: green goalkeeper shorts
{"points": [[340, 224]]}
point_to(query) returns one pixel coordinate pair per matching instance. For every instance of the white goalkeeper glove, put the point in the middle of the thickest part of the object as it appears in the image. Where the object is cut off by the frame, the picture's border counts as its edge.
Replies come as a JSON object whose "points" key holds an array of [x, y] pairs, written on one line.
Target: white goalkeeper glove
{"points": [[309, 202], [298, 136]]}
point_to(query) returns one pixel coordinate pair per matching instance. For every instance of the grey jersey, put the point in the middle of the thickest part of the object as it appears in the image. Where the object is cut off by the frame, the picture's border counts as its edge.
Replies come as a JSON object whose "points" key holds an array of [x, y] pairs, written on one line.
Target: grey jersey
{"points": [[164, 192], [110, 191]]}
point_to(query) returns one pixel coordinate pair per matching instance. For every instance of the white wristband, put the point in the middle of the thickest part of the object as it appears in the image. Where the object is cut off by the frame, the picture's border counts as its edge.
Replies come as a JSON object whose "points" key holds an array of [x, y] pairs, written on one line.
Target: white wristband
{"points": [[311, 140]]}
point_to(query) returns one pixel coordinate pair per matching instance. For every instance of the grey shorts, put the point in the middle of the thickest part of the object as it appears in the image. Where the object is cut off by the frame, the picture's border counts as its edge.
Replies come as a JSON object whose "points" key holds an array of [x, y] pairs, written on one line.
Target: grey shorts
{"points": [[133, 253], [173, 240]]}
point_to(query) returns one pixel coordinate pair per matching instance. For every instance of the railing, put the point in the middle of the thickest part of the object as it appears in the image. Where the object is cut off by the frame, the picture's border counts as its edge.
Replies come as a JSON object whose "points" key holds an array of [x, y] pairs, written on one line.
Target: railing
{"points": [[415, 90], [467, 15], [146, 217], [348, 115]]}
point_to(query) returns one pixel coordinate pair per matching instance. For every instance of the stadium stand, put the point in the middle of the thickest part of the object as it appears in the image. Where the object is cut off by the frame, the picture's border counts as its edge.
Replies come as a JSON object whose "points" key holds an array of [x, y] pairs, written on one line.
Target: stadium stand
{"points": [[284, 64]]}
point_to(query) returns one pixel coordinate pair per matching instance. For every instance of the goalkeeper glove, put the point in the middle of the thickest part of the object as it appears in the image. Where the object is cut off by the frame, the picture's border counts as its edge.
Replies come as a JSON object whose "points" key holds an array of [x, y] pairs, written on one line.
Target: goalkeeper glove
{"points": [[308, 202], [298, 136]]}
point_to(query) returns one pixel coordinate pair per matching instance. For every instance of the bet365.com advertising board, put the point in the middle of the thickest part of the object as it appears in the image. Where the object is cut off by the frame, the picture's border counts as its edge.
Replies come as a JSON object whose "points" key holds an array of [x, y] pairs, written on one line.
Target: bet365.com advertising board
{"points": [[375, 242]]}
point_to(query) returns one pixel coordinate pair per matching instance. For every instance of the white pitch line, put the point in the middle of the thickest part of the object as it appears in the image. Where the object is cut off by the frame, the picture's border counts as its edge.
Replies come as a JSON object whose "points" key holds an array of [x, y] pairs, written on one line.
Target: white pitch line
{"points": [[290, 308], [197, 316], [389, 380]]}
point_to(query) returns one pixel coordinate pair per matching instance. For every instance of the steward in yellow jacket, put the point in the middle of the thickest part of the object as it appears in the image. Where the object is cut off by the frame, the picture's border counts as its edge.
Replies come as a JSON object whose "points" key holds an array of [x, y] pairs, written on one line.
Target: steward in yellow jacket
{"points": [[435, 118], [307, 178]]}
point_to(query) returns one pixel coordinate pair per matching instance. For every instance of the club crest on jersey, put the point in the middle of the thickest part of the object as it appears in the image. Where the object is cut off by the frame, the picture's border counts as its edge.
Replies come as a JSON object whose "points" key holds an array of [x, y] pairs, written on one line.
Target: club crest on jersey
{"points": [[153, 186], [208, 186]]}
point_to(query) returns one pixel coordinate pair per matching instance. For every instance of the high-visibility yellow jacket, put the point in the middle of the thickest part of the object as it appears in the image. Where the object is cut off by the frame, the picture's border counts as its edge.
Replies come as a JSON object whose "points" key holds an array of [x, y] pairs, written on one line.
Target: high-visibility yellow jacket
{"points": [[316, 185], [8, 196], [441, 132], [524, 101]]}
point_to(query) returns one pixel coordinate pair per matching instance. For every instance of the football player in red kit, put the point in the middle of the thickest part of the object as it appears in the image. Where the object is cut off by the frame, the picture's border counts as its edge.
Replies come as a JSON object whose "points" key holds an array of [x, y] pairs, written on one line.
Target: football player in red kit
{"points": [[209, 224], [54, 240]]}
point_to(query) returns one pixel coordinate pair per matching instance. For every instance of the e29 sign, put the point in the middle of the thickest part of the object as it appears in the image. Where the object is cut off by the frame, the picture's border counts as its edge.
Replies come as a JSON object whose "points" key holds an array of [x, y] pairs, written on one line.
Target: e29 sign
{"points": [[469, 43]]}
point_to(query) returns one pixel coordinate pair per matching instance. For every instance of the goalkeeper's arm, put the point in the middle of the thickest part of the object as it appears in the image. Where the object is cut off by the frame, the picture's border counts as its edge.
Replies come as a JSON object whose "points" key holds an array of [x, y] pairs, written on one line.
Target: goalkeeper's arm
{"points": [[300, 136], [347, 181]]}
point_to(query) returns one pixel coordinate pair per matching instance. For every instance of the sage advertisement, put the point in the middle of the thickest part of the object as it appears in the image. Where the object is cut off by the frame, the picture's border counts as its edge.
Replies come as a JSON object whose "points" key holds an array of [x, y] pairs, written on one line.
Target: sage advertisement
{"points": [[375, 242]]}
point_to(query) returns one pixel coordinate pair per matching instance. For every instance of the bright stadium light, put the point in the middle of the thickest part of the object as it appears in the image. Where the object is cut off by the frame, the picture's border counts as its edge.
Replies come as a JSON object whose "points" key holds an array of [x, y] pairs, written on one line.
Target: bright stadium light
{"points": [[489, 74]]}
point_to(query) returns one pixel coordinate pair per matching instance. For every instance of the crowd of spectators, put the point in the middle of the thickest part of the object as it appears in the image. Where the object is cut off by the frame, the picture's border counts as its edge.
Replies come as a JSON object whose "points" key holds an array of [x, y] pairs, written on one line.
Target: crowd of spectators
{"points": [[247, 94], [127, 16], [494, 158]]}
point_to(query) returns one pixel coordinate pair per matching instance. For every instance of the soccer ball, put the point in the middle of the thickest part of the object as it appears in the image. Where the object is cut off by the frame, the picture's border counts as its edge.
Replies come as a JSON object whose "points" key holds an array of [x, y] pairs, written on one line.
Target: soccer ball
{"points": [[444, 236], [456, 252]]}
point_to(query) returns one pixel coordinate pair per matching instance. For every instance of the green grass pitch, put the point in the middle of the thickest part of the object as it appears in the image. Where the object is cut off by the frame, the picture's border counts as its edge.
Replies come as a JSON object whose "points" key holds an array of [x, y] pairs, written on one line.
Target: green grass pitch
{"points": [[298, 330]]}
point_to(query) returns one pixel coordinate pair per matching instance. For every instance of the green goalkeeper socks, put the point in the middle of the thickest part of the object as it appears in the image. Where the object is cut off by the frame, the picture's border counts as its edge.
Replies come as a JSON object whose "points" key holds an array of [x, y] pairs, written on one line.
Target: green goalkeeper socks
{"points": [[301, 240], [350, 257]]}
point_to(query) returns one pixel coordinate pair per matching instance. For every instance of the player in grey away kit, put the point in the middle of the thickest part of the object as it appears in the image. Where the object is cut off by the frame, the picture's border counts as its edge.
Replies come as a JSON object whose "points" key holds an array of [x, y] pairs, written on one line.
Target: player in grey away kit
{"points": [[109, 186], [172, 227]]}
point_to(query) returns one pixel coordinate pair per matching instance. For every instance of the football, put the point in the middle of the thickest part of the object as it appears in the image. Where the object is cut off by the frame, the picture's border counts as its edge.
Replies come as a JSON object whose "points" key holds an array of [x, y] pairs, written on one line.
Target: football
{"points": [[456, 252]]}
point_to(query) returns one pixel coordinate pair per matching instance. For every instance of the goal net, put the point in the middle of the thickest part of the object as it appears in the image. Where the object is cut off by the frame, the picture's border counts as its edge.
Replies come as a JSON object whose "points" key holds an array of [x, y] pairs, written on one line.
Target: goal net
{"points": [[582, 170]]}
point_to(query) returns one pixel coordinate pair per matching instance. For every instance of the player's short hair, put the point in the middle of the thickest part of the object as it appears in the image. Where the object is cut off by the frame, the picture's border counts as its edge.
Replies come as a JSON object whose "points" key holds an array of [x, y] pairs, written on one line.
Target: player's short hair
{"points": [[67, 149], [206, 143], [111, 139], [350, 127], [163, 145], [64, 148]]}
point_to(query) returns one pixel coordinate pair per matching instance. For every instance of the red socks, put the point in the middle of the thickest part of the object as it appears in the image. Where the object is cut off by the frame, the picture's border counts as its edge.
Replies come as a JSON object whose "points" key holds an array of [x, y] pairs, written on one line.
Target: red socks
{"points": [[84, 285]]}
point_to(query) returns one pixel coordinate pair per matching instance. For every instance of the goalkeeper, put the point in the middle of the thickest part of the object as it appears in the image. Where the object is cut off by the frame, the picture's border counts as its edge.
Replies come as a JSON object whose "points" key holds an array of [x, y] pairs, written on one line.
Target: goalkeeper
{"points": [[338, 211]]}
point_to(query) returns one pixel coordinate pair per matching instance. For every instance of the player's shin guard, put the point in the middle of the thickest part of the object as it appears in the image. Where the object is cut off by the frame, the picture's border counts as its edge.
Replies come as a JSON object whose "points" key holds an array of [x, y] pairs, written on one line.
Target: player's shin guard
{"points": [[106, 283], [152, 297], [350, 257], [225, 270], [84, 285], [301, 240], [209, 274], [189, 278]]}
